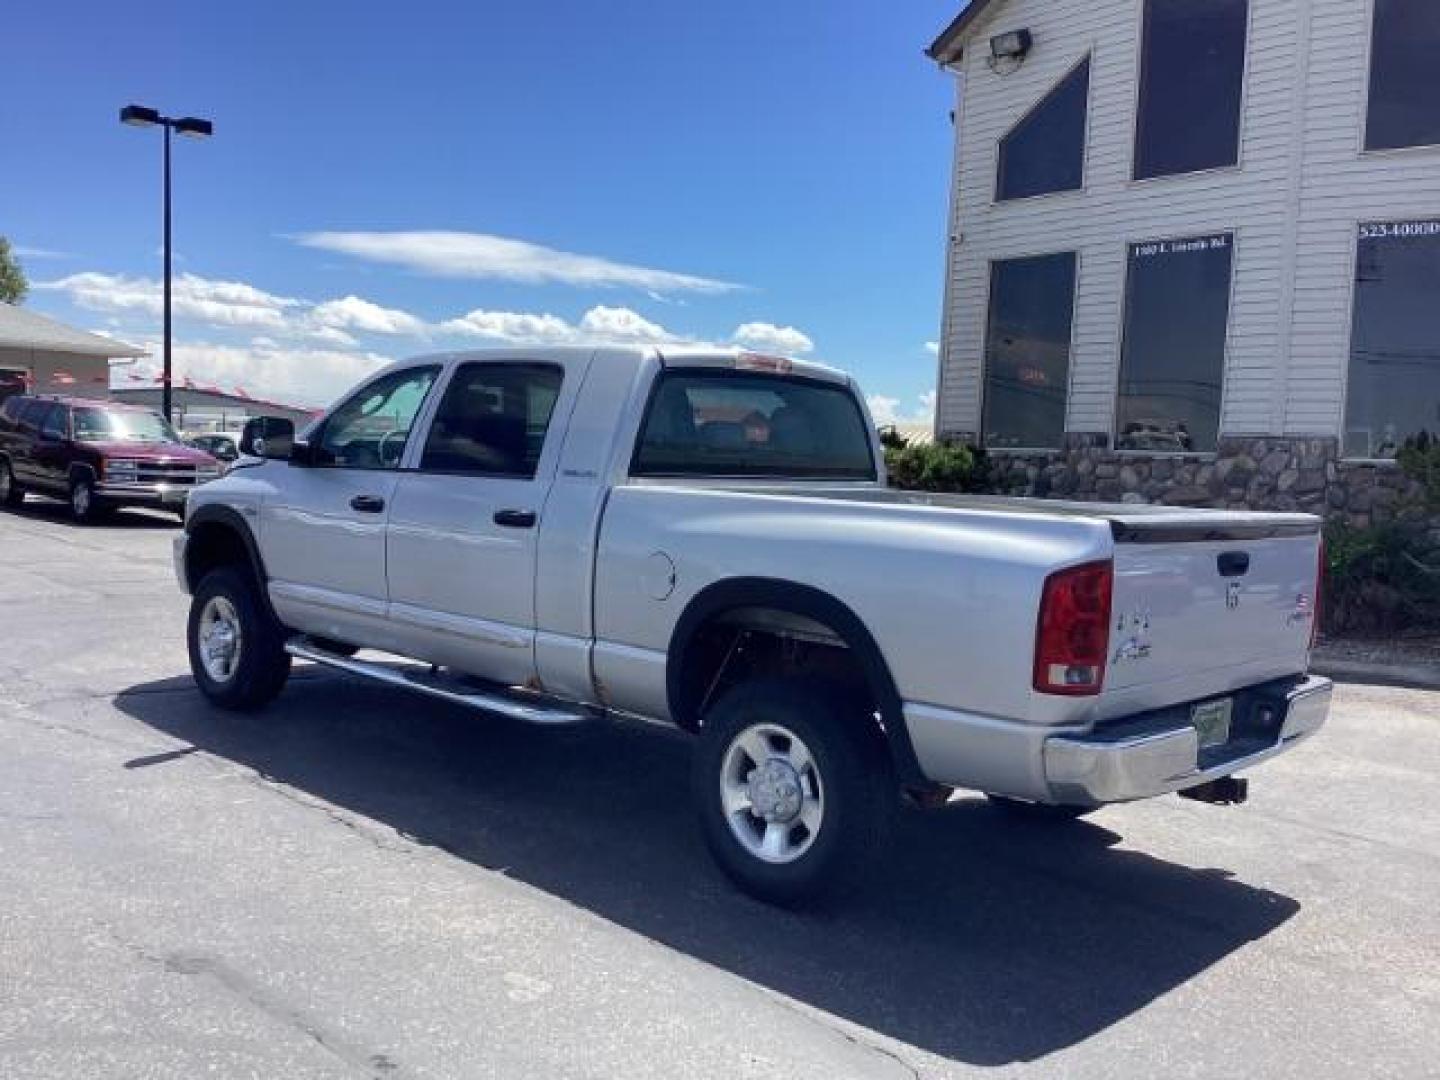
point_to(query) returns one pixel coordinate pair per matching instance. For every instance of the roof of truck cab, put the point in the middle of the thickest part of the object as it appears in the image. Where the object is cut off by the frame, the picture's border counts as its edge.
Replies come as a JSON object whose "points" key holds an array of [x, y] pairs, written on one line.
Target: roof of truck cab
{"points": [[683, 355]]}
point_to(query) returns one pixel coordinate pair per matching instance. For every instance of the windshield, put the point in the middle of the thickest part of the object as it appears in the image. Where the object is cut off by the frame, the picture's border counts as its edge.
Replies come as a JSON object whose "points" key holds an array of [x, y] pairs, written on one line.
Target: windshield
{"points": [[726, 424], [125, 425]]}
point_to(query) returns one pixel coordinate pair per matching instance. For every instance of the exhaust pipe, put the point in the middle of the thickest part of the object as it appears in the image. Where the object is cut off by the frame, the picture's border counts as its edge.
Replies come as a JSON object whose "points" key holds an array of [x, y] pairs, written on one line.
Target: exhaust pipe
{"points": [[1226, 791]]}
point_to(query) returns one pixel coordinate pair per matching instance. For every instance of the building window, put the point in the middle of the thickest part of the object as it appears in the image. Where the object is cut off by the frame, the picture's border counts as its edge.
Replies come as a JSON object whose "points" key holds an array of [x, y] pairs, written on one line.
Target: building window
{"points": [[1172, 361], [1394, 390], [1192, 67], [1404, 75], [1027, 351], [1045, 151]]}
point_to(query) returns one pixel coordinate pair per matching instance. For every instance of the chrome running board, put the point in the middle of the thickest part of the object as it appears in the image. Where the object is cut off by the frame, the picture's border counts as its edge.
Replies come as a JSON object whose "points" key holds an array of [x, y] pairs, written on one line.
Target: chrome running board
{"points": [[516, 704]]}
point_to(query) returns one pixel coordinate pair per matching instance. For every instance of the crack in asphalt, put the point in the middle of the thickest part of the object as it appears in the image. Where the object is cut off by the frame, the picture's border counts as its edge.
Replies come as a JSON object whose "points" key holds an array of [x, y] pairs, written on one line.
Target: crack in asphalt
{"points": [[375, 1066], [835, 1028]]}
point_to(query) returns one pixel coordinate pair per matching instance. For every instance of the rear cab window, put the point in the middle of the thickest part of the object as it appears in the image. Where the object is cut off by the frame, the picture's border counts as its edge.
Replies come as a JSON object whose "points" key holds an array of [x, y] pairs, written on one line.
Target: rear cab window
{"points": [[729, 424]]}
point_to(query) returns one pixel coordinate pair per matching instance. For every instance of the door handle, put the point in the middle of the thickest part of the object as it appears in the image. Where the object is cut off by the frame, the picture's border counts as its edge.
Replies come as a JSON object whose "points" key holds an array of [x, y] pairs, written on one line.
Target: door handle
{"points": [[515, 519], [1232, 563], [367, 504]]}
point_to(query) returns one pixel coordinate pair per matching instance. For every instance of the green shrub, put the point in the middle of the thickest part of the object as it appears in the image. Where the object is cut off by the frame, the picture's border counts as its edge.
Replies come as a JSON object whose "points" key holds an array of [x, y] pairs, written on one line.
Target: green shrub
{"points": [[1420, 460], [1378, 580], [933, 466]]}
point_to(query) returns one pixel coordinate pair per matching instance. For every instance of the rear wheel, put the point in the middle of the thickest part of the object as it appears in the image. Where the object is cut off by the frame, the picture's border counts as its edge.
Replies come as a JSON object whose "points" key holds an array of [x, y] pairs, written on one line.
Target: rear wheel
{"points": [[237, 649], [11, 493], [1038, 812], [795, 792]]}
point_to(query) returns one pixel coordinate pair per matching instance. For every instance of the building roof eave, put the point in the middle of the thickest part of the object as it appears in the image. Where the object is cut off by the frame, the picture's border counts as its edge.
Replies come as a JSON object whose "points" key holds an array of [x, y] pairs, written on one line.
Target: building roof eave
{"points": [[950, 45]]}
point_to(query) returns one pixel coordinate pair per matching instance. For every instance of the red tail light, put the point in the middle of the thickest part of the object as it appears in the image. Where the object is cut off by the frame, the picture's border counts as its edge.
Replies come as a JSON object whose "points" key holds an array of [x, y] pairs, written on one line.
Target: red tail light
{"points": [[1319, 606], [1073, 632]]}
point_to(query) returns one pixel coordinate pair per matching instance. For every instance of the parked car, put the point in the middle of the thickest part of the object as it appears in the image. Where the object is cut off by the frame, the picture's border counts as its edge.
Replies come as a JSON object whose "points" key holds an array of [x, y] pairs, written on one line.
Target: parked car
{"points": [[97, 455], [706, 538], [223, 446]]}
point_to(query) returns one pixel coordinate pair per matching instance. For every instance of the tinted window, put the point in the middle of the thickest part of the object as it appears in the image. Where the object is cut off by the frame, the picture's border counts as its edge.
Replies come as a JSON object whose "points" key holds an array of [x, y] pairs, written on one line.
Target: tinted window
{"points": [[733, 424], [1404, 75], [1394, 390], [55, 423], [1027, 350], [1045, 151], [10, 411], [32, 414], [1177, 304], [1192, 67], [370, 430], [493, 419]]}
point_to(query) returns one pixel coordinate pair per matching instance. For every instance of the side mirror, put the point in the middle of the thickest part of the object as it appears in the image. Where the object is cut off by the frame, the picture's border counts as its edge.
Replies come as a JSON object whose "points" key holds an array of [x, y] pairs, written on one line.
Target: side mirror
{"points": [[268, 437]]}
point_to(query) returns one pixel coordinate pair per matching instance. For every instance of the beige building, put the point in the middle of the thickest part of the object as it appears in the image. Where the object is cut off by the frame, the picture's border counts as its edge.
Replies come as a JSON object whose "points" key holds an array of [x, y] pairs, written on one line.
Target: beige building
{"points": [[40, 355]]}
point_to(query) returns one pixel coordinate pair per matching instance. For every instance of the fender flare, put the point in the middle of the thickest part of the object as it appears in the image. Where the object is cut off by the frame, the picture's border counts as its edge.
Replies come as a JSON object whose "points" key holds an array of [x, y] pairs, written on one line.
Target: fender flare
{"points": [[812, 603], [227, 517]]}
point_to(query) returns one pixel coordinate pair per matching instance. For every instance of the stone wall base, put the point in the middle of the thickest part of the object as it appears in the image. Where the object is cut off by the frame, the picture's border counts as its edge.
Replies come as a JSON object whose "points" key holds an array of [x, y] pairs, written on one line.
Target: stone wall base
{"points": [[1259, 473]]}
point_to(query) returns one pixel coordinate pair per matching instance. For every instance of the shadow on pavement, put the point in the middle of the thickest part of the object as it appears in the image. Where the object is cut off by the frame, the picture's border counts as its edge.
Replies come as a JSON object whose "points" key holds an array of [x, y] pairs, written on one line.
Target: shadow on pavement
{"points": [[38, 508], [988, 941]]}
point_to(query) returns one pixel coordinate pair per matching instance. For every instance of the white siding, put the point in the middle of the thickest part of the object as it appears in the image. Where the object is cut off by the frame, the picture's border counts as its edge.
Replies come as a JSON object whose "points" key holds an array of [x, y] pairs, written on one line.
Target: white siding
{"points": [[1292, 204]]}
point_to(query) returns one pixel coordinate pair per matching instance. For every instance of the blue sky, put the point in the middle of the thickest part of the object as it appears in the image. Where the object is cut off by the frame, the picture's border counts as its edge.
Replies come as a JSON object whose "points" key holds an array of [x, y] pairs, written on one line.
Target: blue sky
{"points": [[390, 179]]}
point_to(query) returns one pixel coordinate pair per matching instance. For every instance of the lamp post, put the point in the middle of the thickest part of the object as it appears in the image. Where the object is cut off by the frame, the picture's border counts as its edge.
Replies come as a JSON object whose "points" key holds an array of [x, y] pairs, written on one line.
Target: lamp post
{"points": [[195, 128]]}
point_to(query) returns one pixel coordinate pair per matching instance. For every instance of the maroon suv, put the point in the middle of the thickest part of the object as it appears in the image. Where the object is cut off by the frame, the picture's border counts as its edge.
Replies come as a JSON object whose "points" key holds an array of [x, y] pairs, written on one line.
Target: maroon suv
{"points": [[97, 455]]}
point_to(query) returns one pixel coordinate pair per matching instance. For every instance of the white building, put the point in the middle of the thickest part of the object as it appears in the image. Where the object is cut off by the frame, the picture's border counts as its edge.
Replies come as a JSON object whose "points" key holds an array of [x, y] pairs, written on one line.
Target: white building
{"points": [[1189, 231]]}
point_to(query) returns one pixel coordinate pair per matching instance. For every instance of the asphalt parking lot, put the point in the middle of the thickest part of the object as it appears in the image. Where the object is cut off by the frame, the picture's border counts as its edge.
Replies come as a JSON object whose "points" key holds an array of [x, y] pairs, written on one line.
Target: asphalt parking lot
{"points": [[360, 883]]}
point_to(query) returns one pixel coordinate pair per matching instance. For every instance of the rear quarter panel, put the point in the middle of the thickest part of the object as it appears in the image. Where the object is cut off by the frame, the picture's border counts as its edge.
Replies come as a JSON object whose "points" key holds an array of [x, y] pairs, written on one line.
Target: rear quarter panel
{"points": [[949, 596]]}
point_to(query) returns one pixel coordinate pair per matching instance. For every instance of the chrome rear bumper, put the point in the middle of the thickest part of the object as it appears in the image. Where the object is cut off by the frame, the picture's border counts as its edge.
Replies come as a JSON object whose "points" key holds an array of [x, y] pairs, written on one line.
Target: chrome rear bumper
{"points": [[1103, 767]]}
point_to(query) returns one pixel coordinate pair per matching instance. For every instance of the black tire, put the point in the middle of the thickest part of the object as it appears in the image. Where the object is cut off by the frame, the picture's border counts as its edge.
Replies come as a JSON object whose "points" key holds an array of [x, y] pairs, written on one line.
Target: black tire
{"points": [[852, 771], [1038, 812], [85, 506], [11, 493], [262, 665]]}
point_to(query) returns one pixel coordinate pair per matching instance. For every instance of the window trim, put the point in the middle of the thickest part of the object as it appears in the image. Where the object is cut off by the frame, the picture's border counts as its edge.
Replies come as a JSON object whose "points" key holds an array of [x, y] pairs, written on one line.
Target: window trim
{"points": [[1137, 91], [995, 199], [316, 433], [416, 466], [1234, 232], [985, 353], [847, 388]]}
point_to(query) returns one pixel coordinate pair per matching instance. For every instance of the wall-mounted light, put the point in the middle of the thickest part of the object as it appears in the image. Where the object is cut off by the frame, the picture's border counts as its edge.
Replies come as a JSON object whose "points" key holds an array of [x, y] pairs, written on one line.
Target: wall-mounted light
{"points": [[1011, 45]]}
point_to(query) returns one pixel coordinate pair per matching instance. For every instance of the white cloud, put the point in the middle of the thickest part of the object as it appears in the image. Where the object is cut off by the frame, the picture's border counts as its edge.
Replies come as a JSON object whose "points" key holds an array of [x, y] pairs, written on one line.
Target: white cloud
{"points": [[887, 411], [481, 255], [220, 303], [354, 313], [599, 325], [933, 348], [771, 338], [264, 368], [22, 251]]}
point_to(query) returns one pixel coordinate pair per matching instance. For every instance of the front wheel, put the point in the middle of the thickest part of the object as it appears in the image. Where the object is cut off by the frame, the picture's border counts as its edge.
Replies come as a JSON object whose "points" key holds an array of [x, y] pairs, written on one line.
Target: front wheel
{"points": [[794, 789], [85, 507], [237, 649]]}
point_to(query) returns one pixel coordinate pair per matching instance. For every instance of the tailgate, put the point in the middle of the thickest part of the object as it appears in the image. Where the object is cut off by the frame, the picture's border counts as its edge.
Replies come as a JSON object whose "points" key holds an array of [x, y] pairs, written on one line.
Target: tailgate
{"points": [[1215, 600]]}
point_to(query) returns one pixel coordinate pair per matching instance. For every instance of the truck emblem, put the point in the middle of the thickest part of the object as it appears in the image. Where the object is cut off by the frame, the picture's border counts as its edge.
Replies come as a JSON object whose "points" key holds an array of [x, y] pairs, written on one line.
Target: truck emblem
{"points": [[1136, 646], [1232, 595]]}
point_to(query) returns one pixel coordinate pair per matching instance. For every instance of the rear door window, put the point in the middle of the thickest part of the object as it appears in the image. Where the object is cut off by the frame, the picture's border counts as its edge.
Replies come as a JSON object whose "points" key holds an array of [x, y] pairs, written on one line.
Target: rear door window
{"points": [[493, 419]]}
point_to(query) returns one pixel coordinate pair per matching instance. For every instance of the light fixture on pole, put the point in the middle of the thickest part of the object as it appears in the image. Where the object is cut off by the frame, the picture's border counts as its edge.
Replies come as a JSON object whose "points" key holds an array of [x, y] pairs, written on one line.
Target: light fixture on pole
{"points": [[195, 128]]}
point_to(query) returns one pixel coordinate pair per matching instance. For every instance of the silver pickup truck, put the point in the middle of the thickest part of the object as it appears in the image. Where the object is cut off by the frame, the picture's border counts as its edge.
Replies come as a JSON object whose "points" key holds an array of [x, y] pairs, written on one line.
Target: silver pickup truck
{"points": [[705, 538]]}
